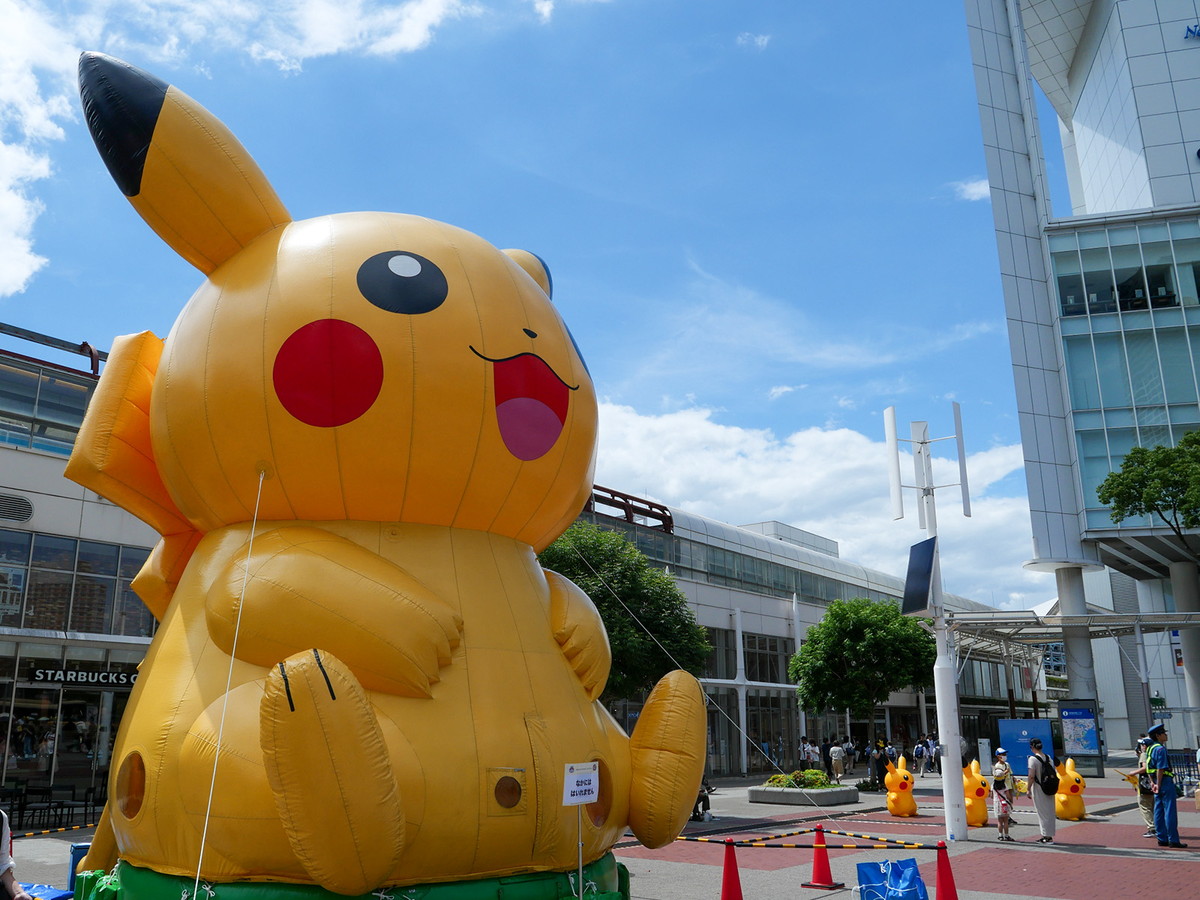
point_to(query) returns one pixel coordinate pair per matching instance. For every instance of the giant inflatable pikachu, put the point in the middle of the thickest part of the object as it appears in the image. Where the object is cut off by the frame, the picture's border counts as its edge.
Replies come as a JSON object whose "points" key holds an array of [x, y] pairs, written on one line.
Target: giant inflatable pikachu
{"points": [[356, 437]]}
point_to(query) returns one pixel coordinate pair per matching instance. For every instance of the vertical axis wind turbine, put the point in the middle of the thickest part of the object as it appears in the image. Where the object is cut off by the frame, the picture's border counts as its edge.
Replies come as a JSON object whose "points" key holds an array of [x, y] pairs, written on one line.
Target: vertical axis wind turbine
{"points": [[931, 604]]}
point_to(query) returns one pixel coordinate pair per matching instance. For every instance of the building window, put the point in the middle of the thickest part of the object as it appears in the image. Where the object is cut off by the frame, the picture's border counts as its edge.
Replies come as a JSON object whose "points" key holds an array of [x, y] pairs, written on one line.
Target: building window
{"points": [[767, 658], [40, 406], [1128, 268], [722, 661], [61, 584]]}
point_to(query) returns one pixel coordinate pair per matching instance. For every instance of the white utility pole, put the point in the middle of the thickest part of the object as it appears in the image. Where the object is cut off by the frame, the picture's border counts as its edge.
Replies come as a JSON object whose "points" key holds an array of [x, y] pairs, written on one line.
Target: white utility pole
{"points": [[945, 679]]}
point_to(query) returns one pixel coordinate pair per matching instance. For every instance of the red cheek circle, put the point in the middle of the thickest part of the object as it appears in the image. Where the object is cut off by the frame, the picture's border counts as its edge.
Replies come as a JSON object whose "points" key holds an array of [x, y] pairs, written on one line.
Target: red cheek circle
{"points": [[980, 792], [903, 786], [328, 373]]}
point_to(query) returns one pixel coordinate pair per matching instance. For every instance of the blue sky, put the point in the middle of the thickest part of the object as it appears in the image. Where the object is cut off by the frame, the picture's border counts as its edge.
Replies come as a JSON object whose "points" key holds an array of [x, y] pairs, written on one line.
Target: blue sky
{"points": [[764, 220]]}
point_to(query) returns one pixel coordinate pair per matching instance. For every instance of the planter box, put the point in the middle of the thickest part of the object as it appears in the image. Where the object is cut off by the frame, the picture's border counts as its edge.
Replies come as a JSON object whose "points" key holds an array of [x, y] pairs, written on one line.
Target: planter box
{"points": [[831, 796]]}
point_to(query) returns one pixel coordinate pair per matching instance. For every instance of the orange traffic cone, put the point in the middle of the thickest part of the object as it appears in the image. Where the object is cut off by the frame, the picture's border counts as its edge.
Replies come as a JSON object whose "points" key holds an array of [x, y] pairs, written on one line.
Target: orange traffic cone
{"points": [[822, 877], [731, 884], [945, 878]]}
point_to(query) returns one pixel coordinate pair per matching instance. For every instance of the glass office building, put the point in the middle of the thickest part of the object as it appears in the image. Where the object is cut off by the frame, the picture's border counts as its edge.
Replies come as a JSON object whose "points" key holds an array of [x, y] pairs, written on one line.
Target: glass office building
{"points": [[72, 632], [1103, 305], [1127, 295]]}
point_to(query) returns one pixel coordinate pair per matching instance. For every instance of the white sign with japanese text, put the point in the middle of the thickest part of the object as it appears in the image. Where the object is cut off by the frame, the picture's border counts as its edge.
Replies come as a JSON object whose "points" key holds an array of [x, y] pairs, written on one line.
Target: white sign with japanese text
{"points": [[581, 783]]}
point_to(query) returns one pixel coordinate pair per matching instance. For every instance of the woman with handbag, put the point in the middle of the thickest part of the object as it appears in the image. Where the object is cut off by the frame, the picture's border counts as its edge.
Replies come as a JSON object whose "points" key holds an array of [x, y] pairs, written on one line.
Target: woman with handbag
{"points": [[1041, 768]]}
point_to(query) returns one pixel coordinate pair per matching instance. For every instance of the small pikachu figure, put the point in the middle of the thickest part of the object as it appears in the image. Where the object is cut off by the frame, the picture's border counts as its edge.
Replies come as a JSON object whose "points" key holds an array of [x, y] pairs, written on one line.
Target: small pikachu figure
{"points": [[975, 791], [1068, 802], [357, 436], [899, 784]]}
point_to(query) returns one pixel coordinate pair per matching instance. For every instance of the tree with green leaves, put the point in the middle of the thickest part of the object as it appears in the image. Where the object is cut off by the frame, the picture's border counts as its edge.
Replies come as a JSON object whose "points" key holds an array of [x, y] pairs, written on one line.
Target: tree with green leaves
{"points": [[859, 653], [1163, 482], [623, 584]]}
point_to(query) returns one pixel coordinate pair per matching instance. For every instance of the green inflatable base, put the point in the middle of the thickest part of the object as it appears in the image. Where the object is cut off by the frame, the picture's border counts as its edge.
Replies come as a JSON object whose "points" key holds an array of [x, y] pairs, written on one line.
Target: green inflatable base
{"points": [[605, 879]]}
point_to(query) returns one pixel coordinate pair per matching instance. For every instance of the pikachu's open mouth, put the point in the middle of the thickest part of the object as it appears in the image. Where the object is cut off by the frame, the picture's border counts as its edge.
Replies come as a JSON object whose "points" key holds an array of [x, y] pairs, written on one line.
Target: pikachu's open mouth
{"points": [[531, 403]]}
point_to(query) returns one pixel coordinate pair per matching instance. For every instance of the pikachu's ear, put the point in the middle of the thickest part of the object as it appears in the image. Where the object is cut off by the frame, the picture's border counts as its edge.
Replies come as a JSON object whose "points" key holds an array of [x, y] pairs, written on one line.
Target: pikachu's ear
{"points": [[183, 171], [535, 267]]}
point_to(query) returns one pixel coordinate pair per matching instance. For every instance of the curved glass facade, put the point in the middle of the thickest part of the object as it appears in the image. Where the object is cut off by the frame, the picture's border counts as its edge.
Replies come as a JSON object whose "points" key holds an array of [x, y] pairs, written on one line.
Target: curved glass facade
{"points": [[1129, 300]]}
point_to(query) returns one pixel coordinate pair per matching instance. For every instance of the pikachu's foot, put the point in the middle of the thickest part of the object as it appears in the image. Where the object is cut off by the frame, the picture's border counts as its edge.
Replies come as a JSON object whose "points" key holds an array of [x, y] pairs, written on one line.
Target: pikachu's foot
{"points": [[329, 769], [667, 750]]}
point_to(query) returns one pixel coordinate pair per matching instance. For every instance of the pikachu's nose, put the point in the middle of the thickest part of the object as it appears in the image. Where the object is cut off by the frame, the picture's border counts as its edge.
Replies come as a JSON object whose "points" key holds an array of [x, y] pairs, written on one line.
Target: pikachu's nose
{"points": [[328, 372]]}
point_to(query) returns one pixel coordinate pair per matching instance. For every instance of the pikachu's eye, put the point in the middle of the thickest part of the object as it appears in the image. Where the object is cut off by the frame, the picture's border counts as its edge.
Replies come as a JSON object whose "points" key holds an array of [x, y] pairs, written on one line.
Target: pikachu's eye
{"points": [[402, 282]]}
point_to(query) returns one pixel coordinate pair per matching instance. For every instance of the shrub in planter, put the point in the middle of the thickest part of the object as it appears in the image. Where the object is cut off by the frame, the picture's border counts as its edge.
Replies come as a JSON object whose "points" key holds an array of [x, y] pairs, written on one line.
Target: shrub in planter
{"points": [[809, 779]]}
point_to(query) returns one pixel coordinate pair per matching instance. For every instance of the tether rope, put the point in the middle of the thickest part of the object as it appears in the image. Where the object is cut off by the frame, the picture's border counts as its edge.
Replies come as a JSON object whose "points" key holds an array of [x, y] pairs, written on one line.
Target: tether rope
{"points": [[237, 624]]}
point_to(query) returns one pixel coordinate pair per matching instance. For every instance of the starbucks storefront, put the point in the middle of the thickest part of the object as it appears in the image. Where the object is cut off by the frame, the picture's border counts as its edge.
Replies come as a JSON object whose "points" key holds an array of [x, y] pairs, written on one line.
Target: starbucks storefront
{"points": [[61, 701]]}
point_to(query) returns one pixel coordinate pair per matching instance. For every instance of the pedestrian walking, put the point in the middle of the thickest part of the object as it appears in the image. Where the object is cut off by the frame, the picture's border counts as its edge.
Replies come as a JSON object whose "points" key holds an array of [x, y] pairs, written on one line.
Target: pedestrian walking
{"points": [[826, 759], [921, 755], [837, 758], [812, 754], [879, 762]]}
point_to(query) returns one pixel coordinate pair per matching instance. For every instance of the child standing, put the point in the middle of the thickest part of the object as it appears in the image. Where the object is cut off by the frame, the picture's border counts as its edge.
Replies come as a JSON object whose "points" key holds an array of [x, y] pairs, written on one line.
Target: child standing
{"points": [[1002, 793]]}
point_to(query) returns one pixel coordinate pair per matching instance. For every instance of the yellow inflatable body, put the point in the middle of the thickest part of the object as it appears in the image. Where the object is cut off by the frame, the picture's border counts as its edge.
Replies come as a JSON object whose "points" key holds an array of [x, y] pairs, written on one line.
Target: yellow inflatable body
{"points": [[899, 784], [1068, 802], [356, 437], [975, 791]]}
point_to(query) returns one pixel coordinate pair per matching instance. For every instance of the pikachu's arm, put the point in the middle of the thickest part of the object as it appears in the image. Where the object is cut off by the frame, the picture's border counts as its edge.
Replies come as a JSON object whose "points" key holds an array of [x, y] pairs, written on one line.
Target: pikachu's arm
{"points": [[305, 588], [580, 633], [113, 455]]}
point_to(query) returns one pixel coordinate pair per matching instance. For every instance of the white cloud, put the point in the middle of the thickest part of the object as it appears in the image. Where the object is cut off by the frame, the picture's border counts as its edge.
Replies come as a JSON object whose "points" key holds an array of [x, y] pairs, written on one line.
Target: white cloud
{"points": [[831, 481], [781, 389], [18, 211], [42, 45], [544, 9], [34, 74], [979, 189], [753, 41], [711, 328]]}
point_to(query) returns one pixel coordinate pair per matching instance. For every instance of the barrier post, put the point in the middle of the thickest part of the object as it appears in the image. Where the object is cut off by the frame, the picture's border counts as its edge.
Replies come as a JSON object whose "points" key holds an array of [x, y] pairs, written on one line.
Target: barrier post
{"points": [[822, 876], [945, 878], [731, 884]]}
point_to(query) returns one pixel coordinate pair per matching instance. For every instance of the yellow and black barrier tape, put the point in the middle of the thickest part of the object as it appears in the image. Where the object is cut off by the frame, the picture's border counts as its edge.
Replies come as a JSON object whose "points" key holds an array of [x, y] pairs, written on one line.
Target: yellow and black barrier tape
{"points": [[907, 845], [25, 834], [829, 846], [882, 842]]}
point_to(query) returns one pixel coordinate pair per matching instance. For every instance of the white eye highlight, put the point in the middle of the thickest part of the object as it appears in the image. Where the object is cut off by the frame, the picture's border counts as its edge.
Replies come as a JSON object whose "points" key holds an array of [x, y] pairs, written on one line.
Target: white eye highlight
{"points": [[404, 266]]}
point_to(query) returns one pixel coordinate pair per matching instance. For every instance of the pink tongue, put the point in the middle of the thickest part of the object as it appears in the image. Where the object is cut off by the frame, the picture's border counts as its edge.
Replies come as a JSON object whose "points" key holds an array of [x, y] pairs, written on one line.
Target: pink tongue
{"points": [[528, 427]]}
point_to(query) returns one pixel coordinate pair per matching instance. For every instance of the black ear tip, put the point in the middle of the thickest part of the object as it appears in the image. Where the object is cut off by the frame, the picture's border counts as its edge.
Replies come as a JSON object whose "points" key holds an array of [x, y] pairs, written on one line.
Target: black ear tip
{"points": [[549, 277], [121, 104]]}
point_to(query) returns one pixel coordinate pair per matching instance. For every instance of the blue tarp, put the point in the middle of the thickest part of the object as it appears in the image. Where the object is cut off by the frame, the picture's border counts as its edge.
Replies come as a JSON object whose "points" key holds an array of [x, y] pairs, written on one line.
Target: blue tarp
{"points": [[47, 892]]}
